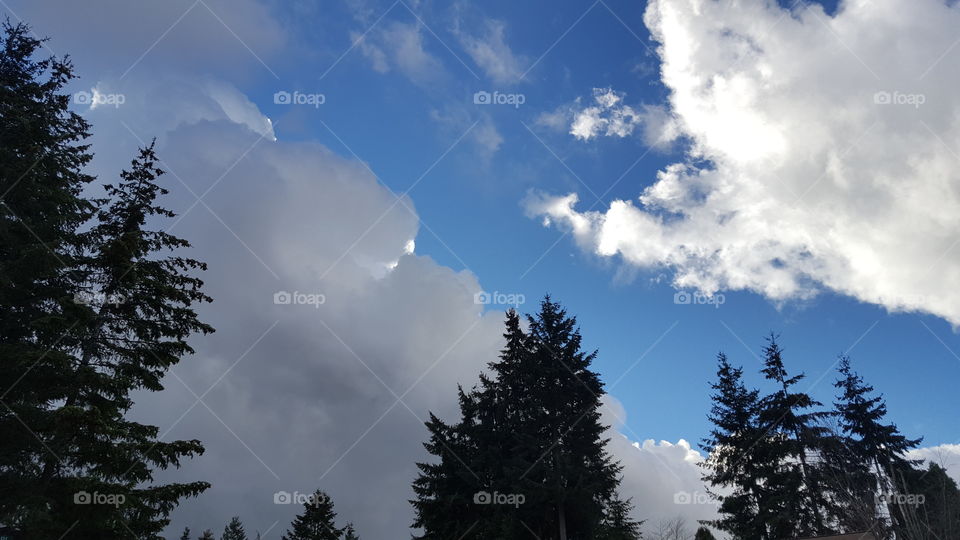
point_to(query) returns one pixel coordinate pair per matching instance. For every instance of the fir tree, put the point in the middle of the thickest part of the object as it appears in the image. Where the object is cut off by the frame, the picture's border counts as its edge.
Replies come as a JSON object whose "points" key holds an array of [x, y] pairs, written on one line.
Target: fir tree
{"points": [[793, 442], [703, 533], [316, 522], [122, 313], [533, 430], [234, 530], [873, 454], [931, 508], [186, 534], [42, 156], [349, 533], [617, 523], [731, 461], [207, 535]]}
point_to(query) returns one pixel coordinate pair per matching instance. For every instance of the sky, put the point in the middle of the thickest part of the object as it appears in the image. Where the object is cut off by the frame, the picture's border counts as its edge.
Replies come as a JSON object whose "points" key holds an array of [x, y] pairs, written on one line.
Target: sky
{"points": [[685, 176]]}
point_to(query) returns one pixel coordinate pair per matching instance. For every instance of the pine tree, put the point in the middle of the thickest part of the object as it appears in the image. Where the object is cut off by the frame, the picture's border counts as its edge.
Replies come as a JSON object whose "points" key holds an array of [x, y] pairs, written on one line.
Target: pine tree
{"points": [[207, 535], [349, 533], [136, 319], [794, 440], [931, 508], [88, 318], [186, 534], [617, 523], [874, 453], [316, 522], [532, 430], [234, 530], [731, 461], [42, 156], [574, 476], [703, 533]]}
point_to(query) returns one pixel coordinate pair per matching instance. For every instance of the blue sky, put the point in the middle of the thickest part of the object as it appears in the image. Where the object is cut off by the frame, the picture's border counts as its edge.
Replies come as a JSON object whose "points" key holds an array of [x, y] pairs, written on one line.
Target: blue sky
{"points": [[473, 218], [780, 164]]}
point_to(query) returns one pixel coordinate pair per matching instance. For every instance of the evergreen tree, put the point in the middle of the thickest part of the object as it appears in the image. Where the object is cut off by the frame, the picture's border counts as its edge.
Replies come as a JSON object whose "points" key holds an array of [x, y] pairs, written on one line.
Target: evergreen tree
{"points": [[349, 533], [316, 522], [207, 535], [88, 318], [795, 437], [873, 455], [703, 533], [234, 530], [531, 430], [731, 462], [42, 156], [931, 508], [617, 523], [186, 534]]}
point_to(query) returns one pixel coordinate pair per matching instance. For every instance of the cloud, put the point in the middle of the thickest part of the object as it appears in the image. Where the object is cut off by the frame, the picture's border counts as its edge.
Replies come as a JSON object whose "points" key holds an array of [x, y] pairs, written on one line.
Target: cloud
{"points": [[609, 116], [304, 395], [662, 479], [454, 120], [399, 46], [821, 155], [945, 455], [125, 37], [492, 53]]}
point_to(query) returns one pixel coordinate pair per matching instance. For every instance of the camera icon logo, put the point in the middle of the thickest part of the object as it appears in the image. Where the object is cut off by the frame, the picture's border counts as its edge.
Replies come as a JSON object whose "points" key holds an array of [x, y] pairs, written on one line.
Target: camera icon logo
{"points": [[682, 297], [282, 298], [82, 497], [682, 497], [481, 98], [83, 98], [482, 497], [882, 98], [482, 297], [282, 497], [282, 97]]}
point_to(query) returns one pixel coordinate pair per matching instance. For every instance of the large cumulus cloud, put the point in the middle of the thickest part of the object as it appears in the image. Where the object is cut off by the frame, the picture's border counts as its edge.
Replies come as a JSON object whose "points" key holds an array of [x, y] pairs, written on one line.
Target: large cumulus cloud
{"points": [[822, 153]]}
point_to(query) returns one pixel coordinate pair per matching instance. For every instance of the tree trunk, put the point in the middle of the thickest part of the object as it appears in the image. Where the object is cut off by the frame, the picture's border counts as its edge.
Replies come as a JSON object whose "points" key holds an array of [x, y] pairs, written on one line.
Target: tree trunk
{"points": [[562, 518]]}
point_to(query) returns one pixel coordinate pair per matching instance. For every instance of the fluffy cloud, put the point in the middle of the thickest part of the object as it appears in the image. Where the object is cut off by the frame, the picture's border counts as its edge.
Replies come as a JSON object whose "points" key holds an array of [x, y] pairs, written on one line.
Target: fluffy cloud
{"points": [[821, 154], [945, 455], [304, 395], [609, 116], [298, 396], [662, 479]]}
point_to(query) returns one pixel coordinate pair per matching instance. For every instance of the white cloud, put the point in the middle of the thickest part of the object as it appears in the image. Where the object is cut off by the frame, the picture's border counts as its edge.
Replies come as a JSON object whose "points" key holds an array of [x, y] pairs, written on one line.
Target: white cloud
{"points": [[800, 175], [945, 455], [455, 120], [609, 116], [399, 46], [293, 216], [492, 53], [662, 479]]}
